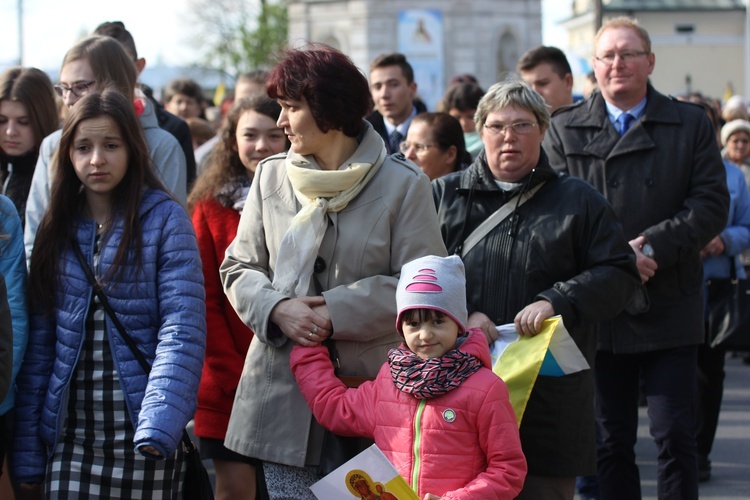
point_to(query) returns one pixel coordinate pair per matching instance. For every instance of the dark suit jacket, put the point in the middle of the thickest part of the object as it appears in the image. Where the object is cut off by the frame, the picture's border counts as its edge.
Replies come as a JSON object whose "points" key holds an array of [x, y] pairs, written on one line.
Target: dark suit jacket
{"points": [[377, 122], [665, 180]]}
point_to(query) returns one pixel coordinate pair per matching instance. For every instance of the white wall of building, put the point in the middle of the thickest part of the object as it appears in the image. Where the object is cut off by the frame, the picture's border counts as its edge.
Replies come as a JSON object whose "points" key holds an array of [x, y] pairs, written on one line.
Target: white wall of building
{"points": [[707, 59]]}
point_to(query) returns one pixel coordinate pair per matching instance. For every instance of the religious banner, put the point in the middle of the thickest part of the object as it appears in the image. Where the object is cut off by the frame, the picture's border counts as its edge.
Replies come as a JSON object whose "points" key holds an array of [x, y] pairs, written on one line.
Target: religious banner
{"points": [[420, 39], [368, 476]]}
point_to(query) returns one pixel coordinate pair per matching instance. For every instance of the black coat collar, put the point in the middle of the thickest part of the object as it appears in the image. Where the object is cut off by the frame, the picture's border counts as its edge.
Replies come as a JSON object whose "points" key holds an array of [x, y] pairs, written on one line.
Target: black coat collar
{"points": [[605, 141], [479, 177]]}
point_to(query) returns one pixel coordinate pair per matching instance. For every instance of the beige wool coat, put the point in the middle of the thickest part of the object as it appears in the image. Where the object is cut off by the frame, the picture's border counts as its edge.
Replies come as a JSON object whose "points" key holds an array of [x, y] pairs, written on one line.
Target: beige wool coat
{"points": [[389, 223]]}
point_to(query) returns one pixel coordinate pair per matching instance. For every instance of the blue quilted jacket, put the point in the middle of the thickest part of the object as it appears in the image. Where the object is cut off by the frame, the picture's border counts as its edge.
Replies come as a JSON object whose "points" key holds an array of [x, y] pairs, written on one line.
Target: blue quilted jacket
{"points": [[13, 268], [162, 308]]}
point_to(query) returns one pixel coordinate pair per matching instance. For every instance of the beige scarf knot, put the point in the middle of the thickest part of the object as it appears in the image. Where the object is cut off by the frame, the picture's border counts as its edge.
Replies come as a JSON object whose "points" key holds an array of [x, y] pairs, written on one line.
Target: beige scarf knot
{"points": [[319, 192]]}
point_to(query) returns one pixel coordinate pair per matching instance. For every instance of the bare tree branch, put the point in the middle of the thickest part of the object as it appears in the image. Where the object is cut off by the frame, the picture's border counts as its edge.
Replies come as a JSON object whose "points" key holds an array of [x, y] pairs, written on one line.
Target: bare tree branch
{"points": [[237, 36]]}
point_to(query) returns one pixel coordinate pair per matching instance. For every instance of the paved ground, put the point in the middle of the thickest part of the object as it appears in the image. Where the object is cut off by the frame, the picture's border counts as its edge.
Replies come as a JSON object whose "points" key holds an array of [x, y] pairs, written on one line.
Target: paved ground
{"points": [[730, 457], [731, 452]]}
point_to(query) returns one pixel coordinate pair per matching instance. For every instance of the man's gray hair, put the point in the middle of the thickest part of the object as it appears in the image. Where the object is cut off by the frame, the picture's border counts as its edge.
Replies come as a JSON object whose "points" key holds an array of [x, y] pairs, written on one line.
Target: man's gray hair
{"points": [[512, 92]]}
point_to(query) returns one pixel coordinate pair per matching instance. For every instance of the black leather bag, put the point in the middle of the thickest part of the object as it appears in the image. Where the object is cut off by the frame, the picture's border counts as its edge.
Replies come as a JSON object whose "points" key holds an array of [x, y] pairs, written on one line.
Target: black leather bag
{"points": [[728, 308], [197, 483], [337, 450]]}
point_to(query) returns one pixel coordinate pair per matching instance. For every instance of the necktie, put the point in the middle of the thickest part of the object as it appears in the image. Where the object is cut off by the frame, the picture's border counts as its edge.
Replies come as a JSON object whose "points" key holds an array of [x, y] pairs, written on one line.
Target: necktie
{"points": [[623, 123], [395, 139]]}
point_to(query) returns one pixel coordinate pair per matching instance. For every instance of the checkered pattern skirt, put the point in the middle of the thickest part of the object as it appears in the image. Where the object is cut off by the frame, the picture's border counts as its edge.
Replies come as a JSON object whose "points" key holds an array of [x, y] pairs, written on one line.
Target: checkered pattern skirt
{"points": [[95, 456]]}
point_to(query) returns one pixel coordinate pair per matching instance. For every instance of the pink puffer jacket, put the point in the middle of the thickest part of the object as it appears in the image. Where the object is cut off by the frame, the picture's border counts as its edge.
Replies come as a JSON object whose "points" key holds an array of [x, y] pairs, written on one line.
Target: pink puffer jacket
{"points": [[461, 445]]}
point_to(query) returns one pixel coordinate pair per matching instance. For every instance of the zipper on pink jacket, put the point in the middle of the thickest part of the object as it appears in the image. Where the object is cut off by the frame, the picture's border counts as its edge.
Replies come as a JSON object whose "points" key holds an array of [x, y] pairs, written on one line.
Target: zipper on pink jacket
{"points": [[417, 442]]}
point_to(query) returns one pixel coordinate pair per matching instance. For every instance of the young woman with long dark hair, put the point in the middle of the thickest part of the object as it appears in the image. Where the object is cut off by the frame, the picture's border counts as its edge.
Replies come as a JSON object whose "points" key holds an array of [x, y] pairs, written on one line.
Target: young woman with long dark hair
{"points": [[90, 421]]}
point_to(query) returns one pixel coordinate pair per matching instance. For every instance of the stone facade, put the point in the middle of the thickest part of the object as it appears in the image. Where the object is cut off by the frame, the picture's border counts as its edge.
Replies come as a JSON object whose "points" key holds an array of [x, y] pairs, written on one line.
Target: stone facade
{"points": [[481, 37]]}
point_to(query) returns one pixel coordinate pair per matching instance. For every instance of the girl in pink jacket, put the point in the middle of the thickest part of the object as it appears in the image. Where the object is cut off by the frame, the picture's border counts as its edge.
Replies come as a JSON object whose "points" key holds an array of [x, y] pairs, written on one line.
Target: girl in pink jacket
{"points": [[436, 409]]}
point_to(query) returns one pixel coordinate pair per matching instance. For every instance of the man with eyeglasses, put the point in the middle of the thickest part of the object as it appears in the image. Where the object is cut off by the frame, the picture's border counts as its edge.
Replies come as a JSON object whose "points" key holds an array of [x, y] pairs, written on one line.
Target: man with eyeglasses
{"points": [[536, 244], [657, 162]]}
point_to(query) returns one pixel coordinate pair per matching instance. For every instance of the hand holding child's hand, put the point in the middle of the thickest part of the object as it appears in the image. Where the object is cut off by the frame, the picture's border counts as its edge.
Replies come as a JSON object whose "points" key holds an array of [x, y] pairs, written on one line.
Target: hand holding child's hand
{"points": [[303, 319]]}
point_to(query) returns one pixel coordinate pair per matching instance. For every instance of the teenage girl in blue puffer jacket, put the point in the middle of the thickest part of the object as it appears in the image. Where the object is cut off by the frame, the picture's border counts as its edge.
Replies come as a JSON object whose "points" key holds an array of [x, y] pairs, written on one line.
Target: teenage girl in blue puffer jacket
{"points": [[89, 419]]}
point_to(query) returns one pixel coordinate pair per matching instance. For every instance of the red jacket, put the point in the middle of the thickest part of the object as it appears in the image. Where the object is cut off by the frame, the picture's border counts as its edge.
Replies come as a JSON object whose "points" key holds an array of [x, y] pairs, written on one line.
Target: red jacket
{"points": [[461, 445], [228, 337]]}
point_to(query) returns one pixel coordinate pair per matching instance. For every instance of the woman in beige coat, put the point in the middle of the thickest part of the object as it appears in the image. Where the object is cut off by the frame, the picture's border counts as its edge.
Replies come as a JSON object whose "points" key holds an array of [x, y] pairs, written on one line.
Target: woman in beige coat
{"points": [[325, 231]]}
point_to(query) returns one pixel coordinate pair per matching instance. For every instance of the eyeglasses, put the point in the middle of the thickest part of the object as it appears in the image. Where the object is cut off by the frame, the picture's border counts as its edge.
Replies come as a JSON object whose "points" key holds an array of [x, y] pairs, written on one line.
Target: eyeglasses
{"points": [[520, 128], [78, 89], [419, 148], [626, 57]]}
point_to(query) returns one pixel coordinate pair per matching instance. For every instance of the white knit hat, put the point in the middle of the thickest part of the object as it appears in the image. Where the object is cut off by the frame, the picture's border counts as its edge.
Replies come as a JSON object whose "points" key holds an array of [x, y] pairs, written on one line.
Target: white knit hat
{"points": [[731, 127], [437, 283]]}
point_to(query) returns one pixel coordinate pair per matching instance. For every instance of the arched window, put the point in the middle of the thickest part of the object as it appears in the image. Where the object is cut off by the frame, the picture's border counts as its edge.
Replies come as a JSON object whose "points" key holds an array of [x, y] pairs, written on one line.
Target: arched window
{"points": [[332, 41], [507, 55]]}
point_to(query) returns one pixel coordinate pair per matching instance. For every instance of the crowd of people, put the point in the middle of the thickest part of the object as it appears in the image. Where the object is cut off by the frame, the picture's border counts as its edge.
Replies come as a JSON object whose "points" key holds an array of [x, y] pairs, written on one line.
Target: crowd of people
{"points": [[322, 260]]}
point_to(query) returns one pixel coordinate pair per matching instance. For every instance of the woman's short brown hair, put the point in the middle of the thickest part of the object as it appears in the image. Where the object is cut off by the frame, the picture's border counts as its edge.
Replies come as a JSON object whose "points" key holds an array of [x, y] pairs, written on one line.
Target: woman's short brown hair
{"points": [[335, 89]]}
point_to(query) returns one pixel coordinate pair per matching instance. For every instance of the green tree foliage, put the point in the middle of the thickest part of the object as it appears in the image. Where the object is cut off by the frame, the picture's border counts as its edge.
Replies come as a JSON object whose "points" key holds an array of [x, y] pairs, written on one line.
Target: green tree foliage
{"points": [[237, 36]]}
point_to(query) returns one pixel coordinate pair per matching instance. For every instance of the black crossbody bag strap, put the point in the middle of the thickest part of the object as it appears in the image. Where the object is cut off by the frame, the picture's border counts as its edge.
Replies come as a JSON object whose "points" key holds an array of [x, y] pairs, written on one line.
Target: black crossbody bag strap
{"points": [[186, 441]]}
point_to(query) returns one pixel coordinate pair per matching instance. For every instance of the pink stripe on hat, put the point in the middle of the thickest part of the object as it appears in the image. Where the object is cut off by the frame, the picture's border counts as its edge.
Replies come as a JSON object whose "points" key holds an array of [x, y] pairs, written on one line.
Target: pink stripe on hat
{"points": [[423, 287], [425, 277]]}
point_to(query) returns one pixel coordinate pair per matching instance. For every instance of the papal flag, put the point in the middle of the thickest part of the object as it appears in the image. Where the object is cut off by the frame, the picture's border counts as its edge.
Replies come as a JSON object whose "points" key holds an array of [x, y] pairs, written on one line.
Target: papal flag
{"points": [[519, 359], [219, 94], [728, 91]]}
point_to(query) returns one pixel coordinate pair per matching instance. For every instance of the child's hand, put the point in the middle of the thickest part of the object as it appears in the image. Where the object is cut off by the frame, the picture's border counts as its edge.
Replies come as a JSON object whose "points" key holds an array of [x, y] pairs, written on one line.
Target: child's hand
{"points": [[430, 496]]}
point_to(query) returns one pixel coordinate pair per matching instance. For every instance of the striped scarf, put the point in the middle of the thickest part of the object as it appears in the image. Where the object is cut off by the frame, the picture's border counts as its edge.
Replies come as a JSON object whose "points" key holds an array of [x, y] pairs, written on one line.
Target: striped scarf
{"points": [[430, 378]]}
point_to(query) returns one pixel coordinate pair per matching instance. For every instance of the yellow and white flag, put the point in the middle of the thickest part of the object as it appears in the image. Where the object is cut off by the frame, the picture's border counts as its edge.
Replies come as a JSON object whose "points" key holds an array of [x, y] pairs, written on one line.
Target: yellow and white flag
{"points": [[518, 359], [368, 475], [219, 94]]}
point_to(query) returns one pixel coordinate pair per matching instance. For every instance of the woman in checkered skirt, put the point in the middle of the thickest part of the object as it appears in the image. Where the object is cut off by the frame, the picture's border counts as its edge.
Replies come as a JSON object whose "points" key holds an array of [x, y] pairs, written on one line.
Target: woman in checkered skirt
{"points": [[90, 422]]}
